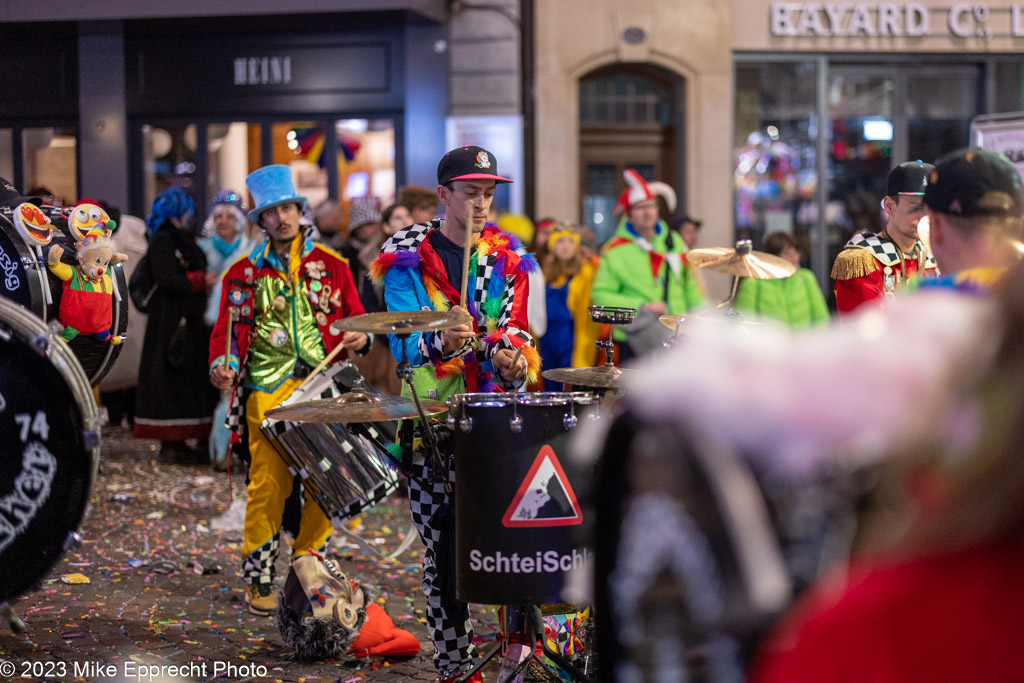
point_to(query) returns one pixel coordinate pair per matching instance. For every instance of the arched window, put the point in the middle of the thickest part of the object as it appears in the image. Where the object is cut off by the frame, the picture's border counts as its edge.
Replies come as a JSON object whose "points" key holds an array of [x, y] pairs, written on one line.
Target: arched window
{"points": [[630, 117]]}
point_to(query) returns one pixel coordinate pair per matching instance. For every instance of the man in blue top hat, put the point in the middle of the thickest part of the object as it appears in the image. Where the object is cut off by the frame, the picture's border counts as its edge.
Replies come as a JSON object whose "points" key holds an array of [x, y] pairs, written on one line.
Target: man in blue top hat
{"points": [[283, 297]]}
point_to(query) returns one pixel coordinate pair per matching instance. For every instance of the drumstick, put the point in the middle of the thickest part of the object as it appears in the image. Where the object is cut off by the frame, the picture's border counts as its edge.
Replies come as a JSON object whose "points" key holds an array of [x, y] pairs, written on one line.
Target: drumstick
{"points": [[323, 364], [519, 351], [467, 248], [232, 314]]}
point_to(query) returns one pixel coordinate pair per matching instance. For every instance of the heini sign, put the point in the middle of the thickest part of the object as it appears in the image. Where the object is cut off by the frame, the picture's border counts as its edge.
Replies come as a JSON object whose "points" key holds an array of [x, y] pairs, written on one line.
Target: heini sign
{"points": [[911, 20]]}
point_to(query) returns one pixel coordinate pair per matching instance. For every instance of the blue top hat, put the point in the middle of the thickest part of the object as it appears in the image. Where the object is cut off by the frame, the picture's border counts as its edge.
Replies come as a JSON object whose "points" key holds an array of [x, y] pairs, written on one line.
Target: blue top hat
{"points": [[272, 186]]}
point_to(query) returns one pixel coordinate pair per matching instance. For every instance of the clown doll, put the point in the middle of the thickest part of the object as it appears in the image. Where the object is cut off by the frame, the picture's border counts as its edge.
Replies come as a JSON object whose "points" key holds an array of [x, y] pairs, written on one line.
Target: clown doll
{"points": [[570, 335], [86, 306]]}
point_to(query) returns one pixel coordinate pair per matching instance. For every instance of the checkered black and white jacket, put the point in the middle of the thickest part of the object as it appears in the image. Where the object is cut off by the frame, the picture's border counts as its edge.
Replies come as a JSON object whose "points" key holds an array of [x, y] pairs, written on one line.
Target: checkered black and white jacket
{"points": [[415, 279]]}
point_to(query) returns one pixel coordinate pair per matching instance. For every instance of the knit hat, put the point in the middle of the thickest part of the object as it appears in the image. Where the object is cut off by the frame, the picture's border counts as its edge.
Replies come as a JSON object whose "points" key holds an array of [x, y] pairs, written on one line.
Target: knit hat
{"points": [[272, 186], [363, 211], [975, 182], [171, 203], [97, 237], [638, 190]]}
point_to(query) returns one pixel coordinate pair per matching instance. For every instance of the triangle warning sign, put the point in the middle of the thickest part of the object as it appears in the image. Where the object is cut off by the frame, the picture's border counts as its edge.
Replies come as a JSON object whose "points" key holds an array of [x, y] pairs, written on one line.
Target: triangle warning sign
{"points": [[545, 498]]}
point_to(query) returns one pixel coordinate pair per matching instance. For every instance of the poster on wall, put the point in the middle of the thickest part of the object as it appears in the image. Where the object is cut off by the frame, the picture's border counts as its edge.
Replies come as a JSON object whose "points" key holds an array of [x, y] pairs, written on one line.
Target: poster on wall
{"points": [[1002, 133], [502, 136]]}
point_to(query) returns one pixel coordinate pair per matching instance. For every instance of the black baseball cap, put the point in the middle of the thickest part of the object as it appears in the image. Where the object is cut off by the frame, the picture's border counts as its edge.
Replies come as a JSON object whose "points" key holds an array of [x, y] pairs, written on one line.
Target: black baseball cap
{"points": [[9, 195], [975, 182], [468, 163], [910, 177]]}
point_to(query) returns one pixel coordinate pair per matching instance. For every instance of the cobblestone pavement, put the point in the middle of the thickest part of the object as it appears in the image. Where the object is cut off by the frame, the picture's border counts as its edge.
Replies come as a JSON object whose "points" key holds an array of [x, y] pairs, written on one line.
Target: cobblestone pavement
{"points": [[145, 543]]}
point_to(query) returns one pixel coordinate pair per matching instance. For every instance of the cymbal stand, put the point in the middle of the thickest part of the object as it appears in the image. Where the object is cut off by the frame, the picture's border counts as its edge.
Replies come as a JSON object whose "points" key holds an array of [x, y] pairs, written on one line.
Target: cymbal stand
{"points": [[438, 472]]}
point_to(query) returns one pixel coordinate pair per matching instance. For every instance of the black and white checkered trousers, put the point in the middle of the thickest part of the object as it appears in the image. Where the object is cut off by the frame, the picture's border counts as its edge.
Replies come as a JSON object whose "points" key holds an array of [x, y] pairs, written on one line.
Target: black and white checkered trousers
{"points": [[452, 634]]}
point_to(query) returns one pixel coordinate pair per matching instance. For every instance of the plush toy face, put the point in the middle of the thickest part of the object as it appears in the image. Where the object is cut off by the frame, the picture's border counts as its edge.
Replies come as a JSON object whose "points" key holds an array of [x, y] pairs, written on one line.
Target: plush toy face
{"points": [[95, 260], [33, 225], [84, 217]]}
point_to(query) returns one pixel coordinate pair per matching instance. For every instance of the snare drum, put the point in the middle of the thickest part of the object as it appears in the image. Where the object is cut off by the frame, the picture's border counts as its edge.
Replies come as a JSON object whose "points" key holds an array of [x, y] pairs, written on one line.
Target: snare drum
{"points": [[25, 280], [519, 523], [345, 467], [50, 438]]}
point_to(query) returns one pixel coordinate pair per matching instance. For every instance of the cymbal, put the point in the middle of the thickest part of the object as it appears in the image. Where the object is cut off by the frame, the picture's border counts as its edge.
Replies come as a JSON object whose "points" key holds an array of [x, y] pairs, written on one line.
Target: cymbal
{"points": [[604, 377], [672, 321], [356, 406], [740, 262], [401, 322]]}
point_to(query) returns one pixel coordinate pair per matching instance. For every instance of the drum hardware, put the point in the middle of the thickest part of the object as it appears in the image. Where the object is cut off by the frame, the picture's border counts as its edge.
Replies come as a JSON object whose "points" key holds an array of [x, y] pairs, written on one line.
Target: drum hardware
{"points": [[611, 315]]}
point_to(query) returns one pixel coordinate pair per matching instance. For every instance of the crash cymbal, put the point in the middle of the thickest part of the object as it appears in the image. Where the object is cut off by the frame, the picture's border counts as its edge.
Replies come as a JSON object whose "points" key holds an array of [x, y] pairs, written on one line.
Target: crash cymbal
{"points": [[356, 406], [741, 261], [673, 321], [401, 322], [604, 377]]}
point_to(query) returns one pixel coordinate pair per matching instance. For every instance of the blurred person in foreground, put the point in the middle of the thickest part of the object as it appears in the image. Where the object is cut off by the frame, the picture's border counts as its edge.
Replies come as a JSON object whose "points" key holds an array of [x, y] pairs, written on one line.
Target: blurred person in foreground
{"points": [[278, 297], [939, 595], [975, 202], [940, 572], [174, 401], [796, 300], [872, 269]]}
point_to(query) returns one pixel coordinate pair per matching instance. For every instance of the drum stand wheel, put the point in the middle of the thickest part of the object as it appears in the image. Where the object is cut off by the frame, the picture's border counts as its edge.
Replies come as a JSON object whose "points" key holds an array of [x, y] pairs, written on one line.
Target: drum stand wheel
{"points": [[11, 619], [532, 635]]}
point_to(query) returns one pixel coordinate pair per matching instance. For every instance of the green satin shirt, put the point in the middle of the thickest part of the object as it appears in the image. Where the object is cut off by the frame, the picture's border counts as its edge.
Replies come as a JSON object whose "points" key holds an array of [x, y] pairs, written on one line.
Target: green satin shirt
{"points": [[282, 336]]}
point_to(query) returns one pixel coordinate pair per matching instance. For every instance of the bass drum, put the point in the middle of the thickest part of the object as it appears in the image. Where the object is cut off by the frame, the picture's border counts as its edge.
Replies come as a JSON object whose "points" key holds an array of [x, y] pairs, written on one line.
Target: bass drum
{"points": [[50, 435], [25, 279]]}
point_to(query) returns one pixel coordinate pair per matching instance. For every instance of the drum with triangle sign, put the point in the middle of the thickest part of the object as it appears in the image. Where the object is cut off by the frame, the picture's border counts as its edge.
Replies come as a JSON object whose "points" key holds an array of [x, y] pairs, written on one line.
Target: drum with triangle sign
{"points": [[519, 527]]}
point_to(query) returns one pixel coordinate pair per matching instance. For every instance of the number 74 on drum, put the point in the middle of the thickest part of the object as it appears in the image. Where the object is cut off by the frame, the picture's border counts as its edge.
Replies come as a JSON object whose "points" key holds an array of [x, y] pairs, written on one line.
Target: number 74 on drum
{"points": [[36, 425]]}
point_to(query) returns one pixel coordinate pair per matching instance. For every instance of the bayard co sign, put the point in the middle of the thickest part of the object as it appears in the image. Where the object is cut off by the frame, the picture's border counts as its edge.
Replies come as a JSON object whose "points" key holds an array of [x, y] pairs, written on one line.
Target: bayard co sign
{"points": [[910, 20]]}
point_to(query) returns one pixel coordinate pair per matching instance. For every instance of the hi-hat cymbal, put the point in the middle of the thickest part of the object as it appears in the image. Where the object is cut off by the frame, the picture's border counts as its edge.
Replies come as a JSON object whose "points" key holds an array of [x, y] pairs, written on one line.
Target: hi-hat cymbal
{"points": [[604, 377], [401, 322], [741, 262], [356, 406]]}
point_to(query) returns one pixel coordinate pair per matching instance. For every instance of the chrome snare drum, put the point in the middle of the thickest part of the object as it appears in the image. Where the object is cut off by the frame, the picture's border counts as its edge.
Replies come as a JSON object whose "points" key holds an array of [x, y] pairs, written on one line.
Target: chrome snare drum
{"points": [[346, 467], [520, 527]]}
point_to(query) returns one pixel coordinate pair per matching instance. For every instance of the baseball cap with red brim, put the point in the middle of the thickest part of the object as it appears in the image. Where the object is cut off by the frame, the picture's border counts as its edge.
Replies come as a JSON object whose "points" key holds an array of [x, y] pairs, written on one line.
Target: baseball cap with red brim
{"points": [[468, 163]]}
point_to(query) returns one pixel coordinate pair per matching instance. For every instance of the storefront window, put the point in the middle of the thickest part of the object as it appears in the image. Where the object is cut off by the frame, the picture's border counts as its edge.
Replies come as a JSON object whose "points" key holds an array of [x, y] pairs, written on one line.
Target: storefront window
{"points": [[233, 152], [49, 158], [169, 155], [775, 133], [1009, 87], [366, 159], [300, 145], [941, 101]]}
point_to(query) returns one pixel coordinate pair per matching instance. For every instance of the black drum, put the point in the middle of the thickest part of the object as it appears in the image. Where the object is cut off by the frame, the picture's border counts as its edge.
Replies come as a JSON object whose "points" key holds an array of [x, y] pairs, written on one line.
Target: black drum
{"points": [[520, 527], [25, 280], [50, 440]]}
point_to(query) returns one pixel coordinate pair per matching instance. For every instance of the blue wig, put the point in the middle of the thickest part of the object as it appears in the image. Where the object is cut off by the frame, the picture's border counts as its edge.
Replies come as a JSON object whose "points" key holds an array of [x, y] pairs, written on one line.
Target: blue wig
{"points": [[171, 203]]}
